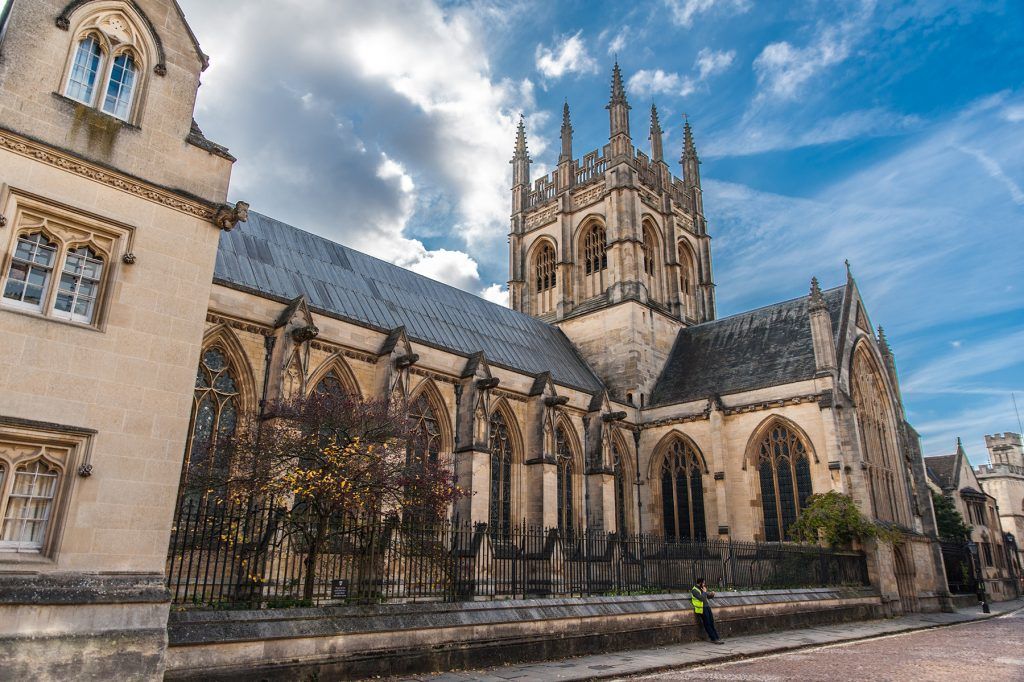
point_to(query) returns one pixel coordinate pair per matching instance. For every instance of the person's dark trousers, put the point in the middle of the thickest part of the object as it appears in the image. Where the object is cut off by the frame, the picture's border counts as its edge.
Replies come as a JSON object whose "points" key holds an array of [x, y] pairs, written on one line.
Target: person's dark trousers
{"points": [[708, 621]]}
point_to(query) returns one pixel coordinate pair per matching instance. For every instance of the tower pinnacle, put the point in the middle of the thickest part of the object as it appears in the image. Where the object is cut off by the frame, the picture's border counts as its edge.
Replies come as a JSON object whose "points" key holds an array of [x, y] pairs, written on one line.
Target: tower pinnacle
{"points": [[618, 116], [566, 154], [521, 158], [657, 152], [816, 300], [689, 160]]}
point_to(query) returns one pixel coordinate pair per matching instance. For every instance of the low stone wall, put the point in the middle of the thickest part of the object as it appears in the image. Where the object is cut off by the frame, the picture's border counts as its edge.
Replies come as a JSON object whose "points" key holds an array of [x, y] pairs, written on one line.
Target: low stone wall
{"points": [[78, 626], [352, 642]]}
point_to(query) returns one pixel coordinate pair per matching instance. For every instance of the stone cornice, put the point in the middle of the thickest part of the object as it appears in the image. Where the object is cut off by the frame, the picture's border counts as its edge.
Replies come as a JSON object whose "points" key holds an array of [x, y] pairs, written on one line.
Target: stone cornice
{"points": [[65, 161], [735, 409]]}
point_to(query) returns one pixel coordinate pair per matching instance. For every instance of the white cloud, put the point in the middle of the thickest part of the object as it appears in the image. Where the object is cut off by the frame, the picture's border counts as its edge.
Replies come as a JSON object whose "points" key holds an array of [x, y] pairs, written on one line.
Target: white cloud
{"points": [[954, 371], [496, 293], [645, 83], [783, 70], [569, 56], [711, 62], [770, 135], [618, 43], [996, 172], [1014, 114], [683, 12]]}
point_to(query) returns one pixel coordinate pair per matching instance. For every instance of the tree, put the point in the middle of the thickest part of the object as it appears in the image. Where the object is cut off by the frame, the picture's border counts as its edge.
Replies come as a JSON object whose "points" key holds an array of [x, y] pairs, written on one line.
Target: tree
{"points": [[337, 463], [834, 518], [950, 522]]}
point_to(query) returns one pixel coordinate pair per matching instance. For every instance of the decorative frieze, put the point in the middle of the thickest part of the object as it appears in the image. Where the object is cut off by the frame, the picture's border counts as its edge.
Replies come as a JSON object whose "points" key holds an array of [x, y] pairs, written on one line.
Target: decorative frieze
{"points": [[772, 404], [250, 327], [350, 353], [587, 196], [436, 376], [542, 217], [52, 157]]}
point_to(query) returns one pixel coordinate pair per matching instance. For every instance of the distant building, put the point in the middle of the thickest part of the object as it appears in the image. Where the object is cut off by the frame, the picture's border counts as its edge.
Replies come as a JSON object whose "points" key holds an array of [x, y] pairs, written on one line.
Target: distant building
{"points": [[952, 476], [1003, 478]]}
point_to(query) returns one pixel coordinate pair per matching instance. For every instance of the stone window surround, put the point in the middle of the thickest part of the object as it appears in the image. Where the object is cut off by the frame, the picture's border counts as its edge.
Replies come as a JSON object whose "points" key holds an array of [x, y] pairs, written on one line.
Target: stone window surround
{"points": [[72, 228], [69, 448]]}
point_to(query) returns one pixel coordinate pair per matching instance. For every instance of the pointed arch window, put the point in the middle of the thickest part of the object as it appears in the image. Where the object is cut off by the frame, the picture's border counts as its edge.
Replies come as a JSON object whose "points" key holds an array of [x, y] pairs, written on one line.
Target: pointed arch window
{"points": [[687, 283], [215, 414], [785, 479], [331, 385], [877, 431], [29, 506], [619, 469], [565, 471], [544, 268], [650, 250], [425, 444], [121, 86], [595, 249], [85, 70], [682, 493], [500, 445]]}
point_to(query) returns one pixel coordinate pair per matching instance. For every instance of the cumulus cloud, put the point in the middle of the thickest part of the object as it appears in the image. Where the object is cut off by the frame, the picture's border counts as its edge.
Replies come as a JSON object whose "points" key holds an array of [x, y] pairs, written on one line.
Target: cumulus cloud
{"points": [[618, 43], [567, 56], [496, 294], [645, 83], [683, 12], [783, 69], [366, 124]]}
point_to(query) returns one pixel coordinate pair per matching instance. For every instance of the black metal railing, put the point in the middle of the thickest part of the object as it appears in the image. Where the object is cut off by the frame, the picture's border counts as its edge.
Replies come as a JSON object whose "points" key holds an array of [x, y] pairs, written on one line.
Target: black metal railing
{"points": [[225, 555]]}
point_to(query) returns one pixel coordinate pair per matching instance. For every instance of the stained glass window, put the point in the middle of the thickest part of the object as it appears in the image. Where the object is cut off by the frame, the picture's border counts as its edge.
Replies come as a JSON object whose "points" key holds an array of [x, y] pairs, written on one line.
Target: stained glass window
{"points": [[682, 492], [426, 431], [500, 513], [332, 385], [214, 418], [785, 480], [565, 469]]}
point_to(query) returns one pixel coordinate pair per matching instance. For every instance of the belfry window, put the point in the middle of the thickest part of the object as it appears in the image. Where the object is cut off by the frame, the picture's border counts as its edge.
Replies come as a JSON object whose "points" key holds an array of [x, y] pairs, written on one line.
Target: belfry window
{"points": [[682, 493], [500, 512], [545, 278], [650, 250], [785, 476], [595, 250]]}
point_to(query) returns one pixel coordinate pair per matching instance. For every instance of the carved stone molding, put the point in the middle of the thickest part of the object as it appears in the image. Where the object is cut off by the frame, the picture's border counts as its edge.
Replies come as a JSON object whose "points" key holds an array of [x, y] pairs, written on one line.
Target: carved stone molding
{"points": [[587, 196], [351, 353], [436, 376], [508, 395], [51, 157], [770, 404], [542, 217], [257, 329]]}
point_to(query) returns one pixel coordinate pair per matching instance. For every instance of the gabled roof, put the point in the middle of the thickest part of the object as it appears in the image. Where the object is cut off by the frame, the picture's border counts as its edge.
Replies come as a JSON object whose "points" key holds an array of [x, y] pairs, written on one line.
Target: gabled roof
{"points": [[763, 347], [944, 470], [275, 260]]}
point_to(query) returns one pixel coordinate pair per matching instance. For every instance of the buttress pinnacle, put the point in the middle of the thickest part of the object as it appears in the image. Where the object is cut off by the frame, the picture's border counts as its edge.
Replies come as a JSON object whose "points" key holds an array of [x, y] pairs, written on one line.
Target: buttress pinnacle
{"points": [[618, 91]]}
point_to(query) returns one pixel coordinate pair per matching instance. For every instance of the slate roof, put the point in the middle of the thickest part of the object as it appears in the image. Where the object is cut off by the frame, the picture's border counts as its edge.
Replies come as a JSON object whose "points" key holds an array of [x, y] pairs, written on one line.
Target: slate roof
{"points": [[273, 259], [942, 469], [763, 347]]}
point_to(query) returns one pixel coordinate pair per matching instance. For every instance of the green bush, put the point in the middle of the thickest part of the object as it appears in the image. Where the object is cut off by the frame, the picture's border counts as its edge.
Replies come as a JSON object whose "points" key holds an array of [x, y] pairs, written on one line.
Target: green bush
{"points": [[834, 518]]}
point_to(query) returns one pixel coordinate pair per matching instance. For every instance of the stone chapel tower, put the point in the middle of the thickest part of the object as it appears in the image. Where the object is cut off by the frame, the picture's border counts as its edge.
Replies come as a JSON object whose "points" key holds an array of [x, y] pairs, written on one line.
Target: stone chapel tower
{"points": [[613, 248]]}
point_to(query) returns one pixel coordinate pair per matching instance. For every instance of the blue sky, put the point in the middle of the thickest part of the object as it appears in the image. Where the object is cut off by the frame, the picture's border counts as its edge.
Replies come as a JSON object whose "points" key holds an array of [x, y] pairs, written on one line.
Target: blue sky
{"points": [[891, 134]]}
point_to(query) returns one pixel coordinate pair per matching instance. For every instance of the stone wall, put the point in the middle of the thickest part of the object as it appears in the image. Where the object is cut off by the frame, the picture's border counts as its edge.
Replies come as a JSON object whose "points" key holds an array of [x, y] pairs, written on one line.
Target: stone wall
{"points": [[358, 642]]}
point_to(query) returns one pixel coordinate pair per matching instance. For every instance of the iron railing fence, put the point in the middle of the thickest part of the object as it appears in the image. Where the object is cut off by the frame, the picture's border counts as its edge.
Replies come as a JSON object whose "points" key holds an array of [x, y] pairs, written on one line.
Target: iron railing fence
{"points": [[961, 575], [246, 555]]}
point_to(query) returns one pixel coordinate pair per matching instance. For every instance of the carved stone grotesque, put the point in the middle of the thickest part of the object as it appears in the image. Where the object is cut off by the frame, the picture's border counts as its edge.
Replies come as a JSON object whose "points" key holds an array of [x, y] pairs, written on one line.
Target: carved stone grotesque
{"points": [[128, 258], [407, 360], [227, 217], [306, 333]]}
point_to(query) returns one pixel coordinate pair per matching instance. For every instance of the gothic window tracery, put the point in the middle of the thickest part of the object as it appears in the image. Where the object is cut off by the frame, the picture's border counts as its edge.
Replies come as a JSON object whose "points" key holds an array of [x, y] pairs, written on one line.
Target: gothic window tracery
{"points": [[687, 283], [620, 474], [331, 385], [29, 505], [595, 260], [215, 415], [650, 250], [682, 492], [785, 479], [500, 445], [565, 471], [425, 444], [545, 277], [878, 439]]}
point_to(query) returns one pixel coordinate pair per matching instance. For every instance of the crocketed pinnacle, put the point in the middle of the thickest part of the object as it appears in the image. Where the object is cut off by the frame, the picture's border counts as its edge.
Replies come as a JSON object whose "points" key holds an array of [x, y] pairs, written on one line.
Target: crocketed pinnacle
{"points": [[566, 124], [817, 300], [689, 149], [521, 139], [883, 342], [657, 153], [618, 91]]}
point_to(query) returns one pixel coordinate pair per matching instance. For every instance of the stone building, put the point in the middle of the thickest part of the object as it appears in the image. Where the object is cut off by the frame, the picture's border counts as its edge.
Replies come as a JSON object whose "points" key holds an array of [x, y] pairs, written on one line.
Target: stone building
{"points": [[951, 475], [1003, 479], [143, 317]]}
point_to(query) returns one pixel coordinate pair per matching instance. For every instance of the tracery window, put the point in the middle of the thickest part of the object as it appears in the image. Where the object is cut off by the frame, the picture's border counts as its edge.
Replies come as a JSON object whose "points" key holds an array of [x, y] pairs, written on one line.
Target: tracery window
{"points": [[565, 470], [682, 492], [619, 469], [500, 445], [214, 420], [29, 505], [331, 385], [29, 278], [650, 250], [878, 440], [595, 250], [545, 277], [425, 444], [785, 476], [687, 285], [106, 65]]}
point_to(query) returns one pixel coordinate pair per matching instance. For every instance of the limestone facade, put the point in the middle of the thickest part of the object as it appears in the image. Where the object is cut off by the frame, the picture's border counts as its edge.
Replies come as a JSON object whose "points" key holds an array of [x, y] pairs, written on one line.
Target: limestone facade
{"points": [[1003, 479]]}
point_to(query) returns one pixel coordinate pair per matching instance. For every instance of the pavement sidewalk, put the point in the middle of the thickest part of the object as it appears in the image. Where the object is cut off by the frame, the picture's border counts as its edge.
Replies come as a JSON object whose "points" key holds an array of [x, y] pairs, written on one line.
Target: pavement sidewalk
{"points": [[642, 661]]}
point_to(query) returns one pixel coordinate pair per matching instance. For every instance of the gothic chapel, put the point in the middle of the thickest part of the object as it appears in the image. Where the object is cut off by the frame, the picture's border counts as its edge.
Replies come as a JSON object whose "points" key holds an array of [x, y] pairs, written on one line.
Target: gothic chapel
{"points": [[142, 317]]}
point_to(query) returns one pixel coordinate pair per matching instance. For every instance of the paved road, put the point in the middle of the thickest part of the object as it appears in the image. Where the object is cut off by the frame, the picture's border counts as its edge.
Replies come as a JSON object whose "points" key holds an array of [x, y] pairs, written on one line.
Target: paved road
{"points": [[988, 651]]}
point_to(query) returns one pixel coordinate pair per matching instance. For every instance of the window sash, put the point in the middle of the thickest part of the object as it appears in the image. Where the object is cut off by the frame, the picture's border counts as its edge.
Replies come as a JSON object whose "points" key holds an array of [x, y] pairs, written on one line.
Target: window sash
{"points": [[120, 88], [79, 286], [27, 515], [28, 277], [85, 71]]}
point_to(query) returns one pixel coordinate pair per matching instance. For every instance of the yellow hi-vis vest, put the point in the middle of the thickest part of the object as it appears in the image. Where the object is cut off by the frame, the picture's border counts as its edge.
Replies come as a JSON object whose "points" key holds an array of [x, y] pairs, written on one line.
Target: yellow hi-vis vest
{"points": [[695, 599]]}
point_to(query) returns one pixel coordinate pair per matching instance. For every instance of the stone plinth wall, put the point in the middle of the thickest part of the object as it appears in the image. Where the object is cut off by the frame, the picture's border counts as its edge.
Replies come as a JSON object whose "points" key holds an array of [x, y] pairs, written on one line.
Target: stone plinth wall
{"points": [[350, 642]]}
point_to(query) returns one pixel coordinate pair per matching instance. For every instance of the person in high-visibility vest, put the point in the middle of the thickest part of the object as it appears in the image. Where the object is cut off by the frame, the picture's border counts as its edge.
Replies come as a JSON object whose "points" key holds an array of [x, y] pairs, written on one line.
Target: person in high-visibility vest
{"points": [[699, 597]]}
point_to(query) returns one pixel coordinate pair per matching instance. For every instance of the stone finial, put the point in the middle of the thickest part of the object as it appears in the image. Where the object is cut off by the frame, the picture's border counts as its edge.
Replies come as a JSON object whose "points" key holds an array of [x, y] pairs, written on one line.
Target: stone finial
{"points": [[618, 91], [883, 342], [521, 158], [227, 216], [689, 160], [816, 299], [566, 154], [657, 153], [849, 272]]}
